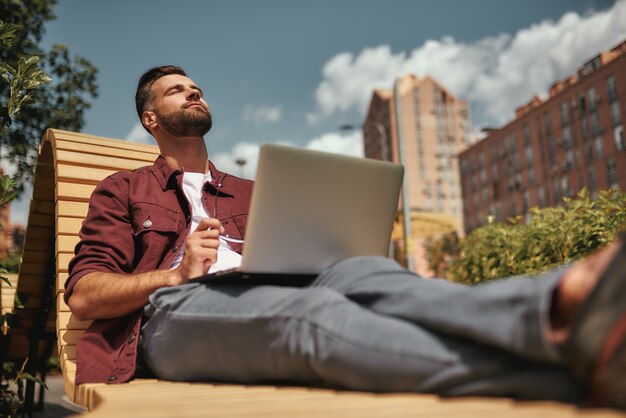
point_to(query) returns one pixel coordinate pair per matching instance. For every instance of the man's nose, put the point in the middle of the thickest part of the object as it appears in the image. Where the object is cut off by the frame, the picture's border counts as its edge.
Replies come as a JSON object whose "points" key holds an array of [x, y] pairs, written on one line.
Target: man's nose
{"points": [[193, 95]]}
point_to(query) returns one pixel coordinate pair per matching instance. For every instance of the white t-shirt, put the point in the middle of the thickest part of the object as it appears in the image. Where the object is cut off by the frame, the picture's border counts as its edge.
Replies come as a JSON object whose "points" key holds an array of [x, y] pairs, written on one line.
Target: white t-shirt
{"points": [[192, 186]]}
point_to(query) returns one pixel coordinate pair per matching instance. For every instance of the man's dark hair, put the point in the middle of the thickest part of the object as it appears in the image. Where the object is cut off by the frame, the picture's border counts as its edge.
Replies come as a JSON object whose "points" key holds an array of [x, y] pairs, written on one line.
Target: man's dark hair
{"points": [[143, 95]]}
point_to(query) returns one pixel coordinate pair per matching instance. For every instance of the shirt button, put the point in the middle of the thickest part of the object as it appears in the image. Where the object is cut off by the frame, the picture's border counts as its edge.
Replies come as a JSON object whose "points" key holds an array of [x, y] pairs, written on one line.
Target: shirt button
{"points": [[147, 223], [174, 249], [131, 338], [112, 378]]}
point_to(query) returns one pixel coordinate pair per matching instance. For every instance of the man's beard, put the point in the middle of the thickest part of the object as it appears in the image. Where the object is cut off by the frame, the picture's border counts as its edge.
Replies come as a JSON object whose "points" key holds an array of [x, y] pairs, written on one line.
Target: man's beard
{"points": [[188, 122]]}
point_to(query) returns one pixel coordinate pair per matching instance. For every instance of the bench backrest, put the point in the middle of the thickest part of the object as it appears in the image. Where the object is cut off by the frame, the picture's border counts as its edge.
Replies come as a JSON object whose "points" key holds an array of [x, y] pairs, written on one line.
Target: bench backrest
{"points": [[69, 166]]}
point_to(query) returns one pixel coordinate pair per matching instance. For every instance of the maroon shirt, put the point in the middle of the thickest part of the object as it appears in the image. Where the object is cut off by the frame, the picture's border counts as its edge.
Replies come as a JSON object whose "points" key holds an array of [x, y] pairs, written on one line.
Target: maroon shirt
{"points": [[136, 223]]}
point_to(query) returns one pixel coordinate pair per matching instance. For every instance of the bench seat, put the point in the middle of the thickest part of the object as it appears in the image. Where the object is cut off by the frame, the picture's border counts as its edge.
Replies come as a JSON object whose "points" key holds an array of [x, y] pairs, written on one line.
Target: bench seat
{"points": [[68, 168]]}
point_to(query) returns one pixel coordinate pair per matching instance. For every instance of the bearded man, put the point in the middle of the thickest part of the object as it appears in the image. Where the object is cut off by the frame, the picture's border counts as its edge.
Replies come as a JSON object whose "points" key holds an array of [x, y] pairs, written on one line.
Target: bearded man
{"points": [[364, 323]]}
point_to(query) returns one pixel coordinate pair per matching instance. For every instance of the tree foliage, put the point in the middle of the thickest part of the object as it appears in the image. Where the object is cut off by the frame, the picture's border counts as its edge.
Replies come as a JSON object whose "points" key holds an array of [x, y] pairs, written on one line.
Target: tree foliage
{"points": [[29, 103], [59, 104], [552, 237], [441, 251]]}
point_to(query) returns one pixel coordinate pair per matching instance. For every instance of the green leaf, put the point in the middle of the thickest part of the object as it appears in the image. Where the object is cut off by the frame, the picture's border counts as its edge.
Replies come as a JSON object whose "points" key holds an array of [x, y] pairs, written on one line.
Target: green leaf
{"points": [[32, 378], [7, 281]]}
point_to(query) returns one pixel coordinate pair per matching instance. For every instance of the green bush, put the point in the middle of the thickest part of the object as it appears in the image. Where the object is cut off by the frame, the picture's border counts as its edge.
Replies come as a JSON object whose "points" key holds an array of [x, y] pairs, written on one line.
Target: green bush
{"points": [[11, 263], [552, 236]]}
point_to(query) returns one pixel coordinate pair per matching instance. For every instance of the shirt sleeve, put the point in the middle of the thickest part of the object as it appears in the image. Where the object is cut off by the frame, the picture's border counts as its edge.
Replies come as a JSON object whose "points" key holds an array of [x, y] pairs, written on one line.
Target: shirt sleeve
{"points": [[106, 241]]}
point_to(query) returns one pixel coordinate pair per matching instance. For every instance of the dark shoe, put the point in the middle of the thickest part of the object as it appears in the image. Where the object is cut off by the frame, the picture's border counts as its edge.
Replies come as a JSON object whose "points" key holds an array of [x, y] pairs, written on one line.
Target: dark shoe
{"points": [[596, 348]]}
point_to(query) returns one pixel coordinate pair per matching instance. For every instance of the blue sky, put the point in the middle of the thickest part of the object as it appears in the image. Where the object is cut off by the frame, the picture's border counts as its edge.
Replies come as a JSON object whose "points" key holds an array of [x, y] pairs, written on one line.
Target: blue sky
{"points": [[293, 71]]}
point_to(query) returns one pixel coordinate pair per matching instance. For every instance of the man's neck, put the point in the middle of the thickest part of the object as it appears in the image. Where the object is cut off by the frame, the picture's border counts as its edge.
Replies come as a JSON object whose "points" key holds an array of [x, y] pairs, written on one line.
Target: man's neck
{"points": [[188, 154]]}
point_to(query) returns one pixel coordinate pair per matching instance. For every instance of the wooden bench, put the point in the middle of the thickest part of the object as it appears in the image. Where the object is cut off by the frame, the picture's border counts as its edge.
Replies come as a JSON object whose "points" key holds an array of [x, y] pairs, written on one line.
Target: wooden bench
{"points": [[69, 167]]}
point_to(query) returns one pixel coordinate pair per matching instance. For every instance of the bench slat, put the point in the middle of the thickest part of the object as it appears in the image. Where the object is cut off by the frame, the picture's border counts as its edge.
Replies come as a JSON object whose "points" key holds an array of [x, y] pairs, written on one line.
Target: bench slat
{"points": [[103, 150]]}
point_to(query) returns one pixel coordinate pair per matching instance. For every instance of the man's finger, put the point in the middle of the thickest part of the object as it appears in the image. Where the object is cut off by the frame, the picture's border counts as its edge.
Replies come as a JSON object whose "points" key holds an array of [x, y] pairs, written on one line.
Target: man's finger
{"points": [[209, 223]]}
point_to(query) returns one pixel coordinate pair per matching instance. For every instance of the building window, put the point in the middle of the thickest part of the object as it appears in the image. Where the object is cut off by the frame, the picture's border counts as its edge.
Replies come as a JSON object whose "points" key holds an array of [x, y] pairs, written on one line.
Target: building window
{"points": [[595, 124], [569, 159], [556, 191], [526, 134], [565, 186], [585, 127], [619, 138], [593, 99], [564, 118], [541, 197], [582, 105], [567, 138], [529, 157], [591, 175], [588, 152], [531, 175], [598, 147], [616, 117], [548, 125], [611, 173], [483, 177], [526, 201], [612, 87]]}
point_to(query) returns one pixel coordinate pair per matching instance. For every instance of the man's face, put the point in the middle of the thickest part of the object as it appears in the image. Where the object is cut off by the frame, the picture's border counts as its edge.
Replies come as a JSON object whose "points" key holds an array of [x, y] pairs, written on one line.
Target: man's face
{"points": [[179, 106]]}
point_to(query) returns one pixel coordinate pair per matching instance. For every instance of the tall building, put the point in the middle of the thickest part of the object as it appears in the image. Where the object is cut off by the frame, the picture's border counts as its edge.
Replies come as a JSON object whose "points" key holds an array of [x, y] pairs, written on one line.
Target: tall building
{"points": [[435, 128], [553, 147]]}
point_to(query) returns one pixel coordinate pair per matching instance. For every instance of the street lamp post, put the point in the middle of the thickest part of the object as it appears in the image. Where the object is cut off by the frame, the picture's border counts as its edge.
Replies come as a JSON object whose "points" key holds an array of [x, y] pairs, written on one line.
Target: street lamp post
{"points": [[241, 162], [406, 210]]}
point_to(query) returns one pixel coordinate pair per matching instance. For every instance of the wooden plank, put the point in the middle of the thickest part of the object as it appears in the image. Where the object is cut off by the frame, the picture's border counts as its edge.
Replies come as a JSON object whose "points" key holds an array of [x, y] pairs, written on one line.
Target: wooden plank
{"points": [[61, 279], [72, 148], [66, 243], [81, 138], [61, 305], [68, 225], [30, 281], [36, 257], [44, 188], [68, 352], [100, 161], [69, 385], [36, 244], [39, 232], [175, 404], [67, 321], [41, 206], [67, 208], [41, 219], [38, 269], [74, 191], [63, 261], [69, 336], [80, 174]]}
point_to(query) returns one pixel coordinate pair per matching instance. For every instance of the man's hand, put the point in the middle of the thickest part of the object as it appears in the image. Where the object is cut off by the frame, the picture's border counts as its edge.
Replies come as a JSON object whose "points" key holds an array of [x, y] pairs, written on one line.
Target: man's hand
{"points": [[200, 249]]}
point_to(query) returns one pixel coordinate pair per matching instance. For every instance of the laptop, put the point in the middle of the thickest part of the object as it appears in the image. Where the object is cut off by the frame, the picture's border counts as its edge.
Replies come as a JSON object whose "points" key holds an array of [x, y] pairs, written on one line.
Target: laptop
{"points": [[312, 209]]}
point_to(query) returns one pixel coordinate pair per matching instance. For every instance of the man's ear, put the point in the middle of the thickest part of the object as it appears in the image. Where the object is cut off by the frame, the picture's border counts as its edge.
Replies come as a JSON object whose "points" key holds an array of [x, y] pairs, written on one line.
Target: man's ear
{"points": [[149, 119]]}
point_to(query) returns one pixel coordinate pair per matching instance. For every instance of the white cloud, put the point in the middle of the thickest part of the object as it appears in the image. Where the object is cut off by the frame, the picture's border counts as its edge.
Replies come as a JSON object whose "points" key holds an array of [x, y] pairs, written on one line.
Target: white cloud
{"points": [[496, 74], [139, 134], [350, 144], [226, 161], [261, 114]]}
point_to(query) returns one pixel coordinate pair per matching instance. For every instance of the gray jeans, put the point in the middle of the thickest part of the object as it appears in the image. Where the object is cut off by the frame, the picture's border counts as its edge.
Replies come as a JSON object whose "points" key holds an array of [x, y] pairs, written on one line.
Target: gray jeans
{"points": [[364, 324]]}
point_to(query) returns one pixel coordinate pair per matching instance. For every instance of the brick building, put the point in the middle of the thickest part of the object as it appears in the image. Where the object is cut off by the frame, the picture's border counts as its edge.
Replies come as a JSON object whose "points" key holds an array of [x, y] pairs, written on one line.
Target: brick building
{"points": [[435, 129], [553, 147]]}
